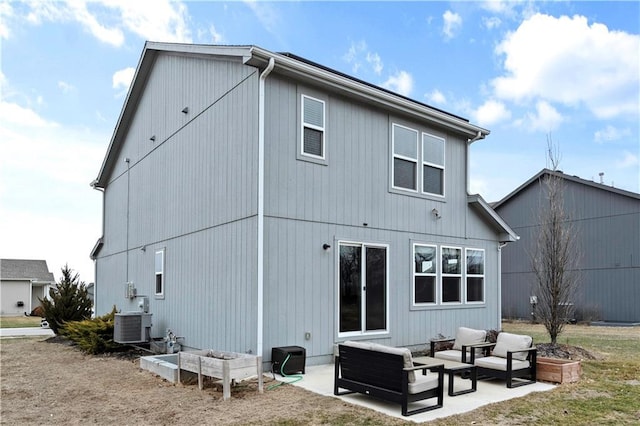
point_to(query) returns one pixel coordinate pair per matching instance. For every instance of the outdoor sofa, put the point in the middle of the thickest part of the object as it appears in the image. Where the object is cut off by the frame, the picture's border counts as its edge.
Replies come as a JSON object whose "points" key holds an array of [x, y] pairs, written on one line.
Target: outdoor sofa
{"points": [[387, 373]]}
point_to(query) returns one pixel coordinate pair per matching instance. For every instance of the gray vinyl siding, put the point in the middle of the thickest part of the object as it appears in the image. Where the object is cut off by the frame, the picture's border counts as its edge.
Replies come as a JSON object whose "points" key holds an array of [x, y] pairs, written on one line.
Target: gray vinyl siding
{"points": [[191, 192], [608, 226], [194, 194], [308, 204]]}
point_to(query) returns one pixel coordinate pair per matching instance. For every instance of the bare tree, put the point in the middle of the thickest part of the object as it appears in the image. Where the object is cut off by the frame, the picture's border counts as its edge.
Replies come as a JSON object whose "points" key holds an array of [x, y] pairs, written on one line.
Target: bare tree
{"points": [[556, 254]]}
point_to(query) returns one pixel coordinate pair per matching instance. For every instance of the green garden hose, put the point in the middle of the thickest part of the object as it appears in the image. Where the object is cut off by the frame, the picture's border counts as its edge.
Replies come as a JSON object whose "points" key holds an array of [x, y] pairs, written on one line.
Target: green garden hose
{"points": [[295, 377]]}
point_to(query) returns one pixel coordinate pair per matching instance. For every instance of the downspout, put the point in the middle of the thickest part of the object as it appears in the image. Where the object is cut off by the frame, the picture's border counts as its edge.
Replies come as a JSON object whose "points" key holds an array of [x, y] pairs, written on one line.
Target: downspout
{"points": [[260, 266], [499, 307]]}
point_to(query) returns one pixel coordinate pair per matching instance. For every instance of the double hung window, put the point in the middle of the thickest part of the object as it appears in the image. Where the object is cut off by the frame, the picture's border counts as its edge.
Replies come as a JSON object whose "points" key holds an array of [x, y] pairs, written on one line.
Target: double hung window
{"points": [[425, 273], [313, 127], [451, 275], [475, 275], [159, 267], [417, 167]]}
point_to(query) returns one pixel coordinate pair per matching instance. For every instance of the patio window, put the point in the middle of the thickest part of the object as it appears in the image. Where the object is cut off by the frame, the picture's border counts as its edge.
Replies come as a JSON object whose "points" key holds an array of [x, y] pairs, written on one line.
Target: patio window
{"points": [[475, 275], [451, 274], [424, 274], [405, 157]]}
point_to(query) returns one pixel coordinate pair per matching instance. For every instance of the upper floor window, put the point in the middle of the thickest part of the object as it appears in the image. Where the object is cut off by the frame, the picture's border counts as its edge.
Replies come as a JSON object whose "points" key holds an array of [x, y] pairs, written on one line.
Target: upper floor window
{"points": [[432, 164], [405, 157], [313, 127], [417, 166], [159, 267]]}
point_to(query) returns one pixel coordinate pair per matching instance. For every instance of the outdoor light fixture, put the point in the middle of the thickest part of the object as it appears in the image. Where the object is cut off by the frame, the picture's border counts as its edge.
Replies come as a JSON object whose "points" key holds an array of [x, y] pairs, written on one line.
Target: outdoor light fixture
{"points": [[185, 110], [436, 213], [326, 246], [153, 138]]}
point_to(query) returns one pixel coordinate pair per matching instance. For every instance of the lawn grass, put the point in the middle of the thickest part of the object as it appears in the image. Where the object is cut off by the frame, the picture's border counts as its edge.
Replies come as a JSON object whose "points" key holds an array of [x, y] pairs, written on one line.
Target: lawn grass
{"points": [[19, 322], [607, 393]]}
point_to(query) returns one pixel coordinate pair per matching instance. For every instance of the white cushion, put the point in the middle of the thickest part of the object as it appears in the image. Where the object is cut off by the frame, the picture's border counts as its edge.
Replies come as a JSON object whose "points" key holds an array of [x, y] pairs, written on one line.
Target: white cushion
{"points": [[468, 336], [497, 363], [406, 353], [423, 383], [449, 355], [512, 342]]}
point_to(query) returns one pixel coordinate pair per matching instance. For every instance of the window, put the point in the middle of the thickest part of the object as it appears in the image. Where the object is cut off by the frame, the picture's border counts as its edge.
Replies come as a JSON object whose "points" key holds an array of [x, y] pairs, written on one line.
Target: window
{"points": [[475, 275], [451, 274], [425, 274], [432, 164], [405, 157], [417, 167], [159, 266], [313, 127], [363, 289]]}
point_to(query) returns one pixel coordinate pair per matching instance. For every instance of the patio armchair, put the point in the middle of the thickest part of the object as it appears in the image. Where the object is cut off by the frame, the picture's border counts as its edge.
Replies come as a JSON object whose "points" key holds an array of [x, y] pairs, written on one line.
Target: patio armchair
{"points": [[513, 356], [465, 338]]}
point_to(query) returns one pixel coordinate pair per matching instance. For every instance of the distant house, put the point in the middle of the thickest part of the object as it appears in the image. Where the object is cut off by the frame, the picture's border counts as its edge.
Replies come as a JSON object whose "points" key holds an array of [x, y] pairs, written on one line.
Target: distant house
{"points": [[608, 222], [22, 283], [261, 200]]}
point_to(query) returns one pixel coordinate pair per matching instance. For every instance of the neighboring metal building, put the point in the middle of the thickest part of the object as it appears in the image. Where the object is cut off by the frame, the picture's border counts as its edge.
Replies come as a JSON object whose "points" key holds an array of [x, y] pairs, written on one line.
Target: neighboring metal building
{"points": [[22, 283], [608, 222], [260, 200]]}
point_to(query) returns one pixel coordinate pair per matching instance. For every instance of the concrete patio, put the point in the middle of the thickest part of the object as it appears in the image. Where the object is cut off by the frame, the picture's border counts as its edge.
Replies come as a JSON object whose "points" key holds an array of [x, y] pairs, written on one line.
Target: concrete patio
{"points": [[319, 379]]}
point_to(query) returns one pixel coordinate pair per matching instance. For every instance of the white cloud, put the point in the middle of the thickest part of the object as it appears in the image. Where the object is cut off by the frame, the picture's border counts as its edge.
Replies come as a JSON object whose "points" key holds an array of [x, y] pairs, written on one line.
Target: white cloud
{"points": [[491, 112], [374, 60], [436, 97], [359, 54], [546, 118], [122, 79], [6, 13], [106, 20], [610, 134], [491, 23], [65, 87], [452, 23], [216, 37], [629, 160], [401, 82], [568, 61], [47, 208]]}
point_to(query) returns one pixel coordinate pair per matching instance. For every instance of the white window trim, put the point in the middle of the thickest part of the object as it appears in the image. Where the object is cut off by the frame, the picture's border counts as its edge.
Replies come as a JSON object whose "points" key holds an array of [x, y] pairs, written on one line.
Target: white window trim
{"points": [[314, 127], [414, 274], [430, 164], [483, 276], [348, 334], [416, 160], [461, 275], [162, 272]]}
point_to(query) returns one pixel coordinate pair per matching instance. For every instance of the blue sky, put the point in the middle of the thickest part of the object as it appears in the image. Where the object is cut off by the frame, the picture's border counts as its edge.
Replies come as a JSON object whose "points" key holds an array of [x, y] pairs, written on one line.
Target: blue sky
{"points": [[524, 70]]}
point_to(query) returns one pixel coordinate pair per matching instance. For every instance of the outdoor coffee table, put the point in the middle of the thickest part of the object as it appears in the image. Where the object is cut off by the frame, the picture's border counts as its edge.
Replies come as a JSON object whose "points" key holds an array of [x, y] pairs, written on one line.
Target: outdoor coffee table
{"points": [[452, 368]]}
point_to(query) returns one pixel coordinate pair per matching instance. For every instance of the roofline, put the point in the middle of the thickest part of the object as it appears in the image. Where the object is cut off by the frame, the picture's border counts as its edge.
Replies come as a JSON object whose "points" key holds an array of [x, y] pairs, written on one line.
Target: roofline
{"points": [[284, 63], [490, 213], [562, 175]]}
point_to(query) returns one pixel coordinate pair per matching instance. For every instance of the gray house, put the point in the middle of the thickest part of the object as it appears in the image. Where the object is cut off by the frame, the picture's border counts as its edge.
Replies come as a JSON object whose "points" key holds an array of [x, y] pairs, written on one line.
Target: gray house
{"points": [[607, 220], [22, 283], [261, 200]]}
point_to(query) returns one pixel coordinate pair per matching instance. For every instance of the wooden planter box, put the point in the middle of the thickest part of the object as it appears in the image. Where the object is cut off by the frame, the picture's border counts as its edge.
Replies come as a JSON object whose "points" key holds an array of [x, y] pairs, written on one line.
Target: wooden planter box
{"points": [[557, 370], [228, 366]]}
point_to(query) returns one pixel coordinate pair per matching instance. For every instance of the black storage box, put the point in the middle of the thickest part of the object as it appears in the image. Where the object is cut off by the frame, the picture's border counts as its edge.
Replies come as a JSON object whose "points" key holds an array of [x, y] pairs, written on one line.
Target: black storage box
{"points": [[295, 363]]}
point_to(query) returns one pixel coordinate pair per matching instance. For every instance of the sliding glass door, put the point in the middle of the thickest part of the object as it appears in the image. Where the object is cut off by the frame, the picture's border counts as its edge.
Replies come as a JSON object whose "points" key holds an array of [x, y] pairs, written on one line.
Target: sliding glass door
{"points": [[363, 288]]}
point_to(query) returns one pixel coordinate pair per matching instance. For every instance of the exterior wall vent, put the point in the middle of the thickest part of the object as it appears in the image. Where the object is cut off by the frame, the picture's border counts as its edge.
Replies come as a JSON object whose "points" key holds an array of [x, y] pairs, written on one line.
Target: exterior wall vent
{"points": [[132, 327]]}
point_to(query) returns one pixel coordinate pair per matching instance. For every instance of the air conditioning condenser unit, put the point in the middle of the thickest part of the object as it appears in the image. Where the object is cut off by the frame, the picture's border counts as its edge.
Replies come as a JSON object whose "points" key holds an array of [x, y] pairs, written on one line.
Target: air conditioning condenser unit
{"points": [[132, 327]]}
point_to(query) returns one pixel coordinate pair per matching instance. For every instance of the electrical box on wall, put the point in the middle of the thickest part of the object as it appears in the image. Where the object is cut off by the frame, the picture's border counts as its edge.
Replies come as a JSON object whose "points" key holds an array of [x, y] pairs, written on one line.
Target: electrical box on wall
{"points": [[130, 290]]}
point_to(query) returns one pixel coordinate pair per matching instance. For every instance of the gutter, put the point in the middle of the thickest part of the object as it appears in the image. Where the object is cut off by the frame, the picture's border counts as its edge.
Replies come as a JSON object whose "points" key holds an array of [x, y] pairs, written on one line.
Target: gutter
{"points": [[260, 266]]}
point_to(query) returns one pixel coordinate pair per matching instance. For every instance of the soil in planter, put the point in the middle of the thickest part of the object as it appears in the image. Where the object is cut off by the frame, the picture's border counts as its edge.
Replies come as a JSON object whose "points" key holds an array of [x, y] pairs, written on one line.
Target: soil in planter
{"points": [[561, 351]]}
